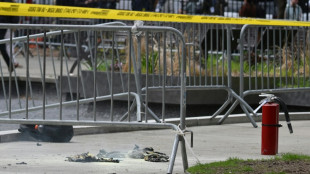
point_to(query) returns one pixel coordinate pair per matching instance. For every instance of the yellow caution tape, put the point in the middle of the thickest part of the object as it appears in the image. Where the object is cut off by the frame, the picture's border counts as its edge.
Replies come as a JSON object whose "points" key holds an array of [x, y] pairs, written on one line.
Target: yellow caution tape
{"points": [[19, 9]]}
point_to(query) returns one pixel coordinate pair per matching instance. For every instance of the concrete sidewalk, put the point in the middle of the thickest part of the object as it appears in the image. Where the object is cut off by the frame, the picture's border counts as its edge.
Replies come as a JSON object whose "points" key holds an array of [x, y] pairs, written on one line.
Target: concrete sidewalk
{"points": [[211, 143], [35, 70]]}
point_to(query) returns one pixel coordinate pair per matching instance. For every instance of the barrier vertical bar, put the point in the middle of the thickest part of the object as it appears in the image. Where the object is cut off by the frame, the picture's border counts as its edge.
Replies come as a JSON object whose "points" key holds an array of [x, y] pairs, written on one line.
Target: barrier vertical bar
{"points": [[78, 75], [256, 70], [274, 57], [206, 54], [129, 72], [112, 76], [228, 54], [147, 77], [10, 86], [223, 53], [281, 56], [3, 88], [298, 58], [217, 56], [13, 67], [194, 61], [68, 73], [137, 67], [293, 56], [211, 62], [268, 59], [200, 55], [249, 44], [183, 105], [94, 57], [27, 75], [53, 63], [61, 72], [164, 80], [261, 61], [286, 56], [159, 58], [44, 74], [304, 55], [171, 59], [106, 60], [120, 66], [153, 61]]}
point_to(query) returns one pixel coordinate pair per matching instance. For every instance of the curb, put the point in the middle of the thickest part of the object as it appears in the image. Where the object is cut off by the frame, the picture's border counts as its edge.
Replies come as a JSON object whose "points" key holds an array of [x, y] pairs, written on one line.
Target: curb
{"points": [[14, 135]]}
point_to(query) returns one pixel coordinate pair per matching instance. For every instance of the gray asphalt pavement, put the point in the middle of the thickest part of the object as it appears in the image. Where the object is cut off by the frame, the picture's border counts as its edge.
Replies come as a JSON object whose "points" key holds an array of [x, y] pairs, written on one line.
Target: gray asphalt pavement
{"points": [[211, 143]]}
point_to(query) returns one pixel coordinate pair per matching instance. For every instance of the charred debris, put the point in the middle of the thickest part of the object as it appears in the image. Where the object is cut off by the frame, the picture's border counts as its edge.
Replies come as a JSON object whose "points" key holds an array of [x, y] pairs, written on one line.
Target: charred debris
{"points": [[147, 153]]}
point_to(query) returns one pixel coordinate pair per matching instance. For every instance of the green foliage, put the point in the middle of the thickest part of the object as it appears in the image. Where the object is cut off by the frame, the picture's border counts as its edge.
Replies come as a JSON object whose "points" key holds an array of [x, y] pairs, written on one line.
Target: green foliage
{"points": [[152, 62], [101, 65]]}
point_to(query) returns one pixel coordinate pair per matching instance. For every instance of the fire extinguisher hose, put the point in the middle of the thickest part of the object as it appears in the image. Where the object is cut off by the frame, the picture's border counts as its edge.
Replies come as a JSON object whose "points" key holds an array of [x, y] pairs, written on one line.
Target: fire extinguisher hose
{"points": [[285, 110]]}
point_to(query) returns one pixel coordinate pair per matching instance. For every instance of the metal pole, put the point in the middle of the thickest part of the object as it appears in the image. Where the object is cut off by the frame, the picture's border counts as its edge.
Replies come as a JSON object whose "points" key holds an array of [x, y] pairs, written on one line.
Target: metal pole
{"points": [[173, 154], [183, 105], [228, 54], [61, 73], [44, 74]]}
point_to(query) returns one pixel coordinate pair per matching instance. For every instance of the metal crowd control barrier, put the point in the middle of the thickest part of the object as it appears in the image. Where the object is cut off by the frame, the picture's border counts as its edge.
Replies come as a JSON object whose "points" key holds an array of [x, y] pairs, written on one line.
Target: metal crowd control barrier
{"points": [[145, 52], [273, 59], [211, 49]]}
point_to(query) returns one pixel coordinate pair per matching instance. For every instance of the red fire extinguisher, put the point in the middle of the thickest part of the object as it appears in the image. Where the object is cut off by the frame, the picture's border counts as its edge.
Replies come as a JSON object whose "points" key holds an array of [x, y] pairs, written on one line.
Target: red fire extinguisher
{"points": [[270, 123]]}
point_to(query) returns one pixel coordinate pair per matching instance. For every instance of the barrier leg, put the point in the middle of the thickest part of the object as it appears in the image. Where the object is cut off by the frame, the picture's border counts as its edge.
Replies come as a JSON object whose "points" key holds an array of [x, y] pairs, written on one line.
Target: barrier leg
{"points": [[178, 139], [230, 110], [173, 153], [221, 109], [248, 115], [184, 154], [244, 106], [152, 113], [241, 100], [133, 105]]}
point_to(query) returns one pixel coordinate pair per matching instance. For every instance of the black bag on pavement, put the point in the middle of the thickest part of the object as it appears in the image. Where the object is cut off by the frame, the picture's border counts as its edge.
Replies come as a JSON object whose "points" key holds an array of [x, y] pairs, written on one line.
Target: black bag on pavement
{"points": [[48, 133]]}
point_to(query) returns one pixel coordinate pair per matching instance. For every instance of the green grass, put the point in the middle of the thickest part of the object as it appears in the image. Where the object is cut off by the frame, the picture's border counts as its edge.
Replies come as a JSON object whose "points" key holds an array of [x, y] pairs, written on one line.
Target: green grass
{"points": [[292, 157], [231, 163], [236, 165]]}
